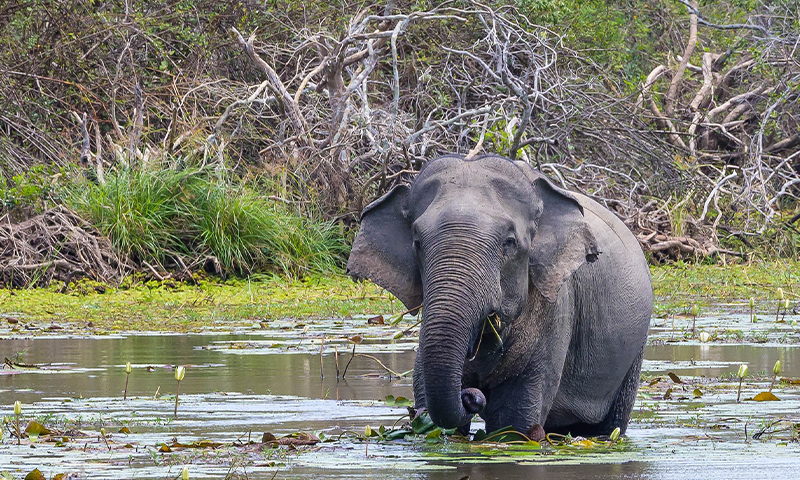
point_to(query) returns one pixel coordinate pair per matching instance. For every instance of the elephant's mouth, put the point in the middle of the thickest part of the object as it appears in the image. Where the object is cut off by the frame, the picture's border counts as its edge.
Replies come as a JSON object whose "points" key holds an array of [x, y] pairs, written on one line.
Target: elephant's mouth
{"points": [[488, 339]]}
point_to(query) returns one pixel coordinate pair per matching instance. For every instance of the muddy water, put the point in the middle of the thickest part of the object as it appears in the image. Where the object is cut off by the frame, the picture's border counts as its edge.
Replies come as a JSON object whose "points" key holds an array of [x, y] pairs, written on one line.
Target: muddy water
{"points": [[239, 385]]}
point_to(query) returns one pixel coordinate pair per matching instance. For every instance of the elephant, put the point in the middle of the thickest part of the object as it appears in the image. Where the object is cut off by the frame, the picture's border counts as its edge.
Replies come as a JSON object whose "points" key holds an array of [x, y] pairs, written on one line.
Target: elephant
{"points": [[536, 301]]}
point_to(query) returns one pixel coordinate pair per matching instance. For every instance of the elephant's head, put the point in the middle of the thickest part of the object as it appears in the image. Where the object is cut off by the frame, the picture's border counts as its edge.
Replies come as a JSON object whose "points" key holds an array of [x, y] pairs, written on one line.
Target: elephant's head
{"points": [[468, 240]]}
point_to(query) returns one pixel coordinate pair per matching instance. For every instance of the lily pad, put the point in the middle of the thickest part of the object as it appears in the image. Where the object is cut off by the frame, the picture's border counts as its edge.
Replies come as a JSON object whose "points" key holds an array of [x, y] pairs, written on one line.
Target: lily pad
{"points": [[766, 397], [401, 401]]}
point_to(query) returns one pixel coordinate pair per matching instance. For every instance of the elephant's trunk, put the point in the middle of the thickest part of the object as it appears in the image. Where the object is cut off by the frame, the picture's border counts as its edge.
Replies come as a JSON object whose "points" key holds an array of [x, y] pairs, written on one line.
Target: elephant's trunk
{"points": [[458, 295]]}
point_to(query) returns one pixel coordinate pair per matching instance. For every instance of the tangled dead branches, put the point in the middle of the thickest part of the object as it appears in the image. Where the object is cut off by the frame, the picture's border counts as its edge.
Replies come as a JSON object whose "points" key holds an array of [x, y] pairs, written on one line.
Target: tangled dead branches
{"points": [[55, 245]]}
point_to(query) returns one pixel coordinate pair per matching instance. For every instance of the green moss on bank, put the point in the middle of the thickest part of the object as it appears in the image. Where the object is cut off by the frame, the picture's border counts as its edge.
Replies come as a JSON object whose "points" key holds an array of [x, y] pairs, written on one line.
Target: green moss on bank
{"points": [[727, 287], [179, 307]]}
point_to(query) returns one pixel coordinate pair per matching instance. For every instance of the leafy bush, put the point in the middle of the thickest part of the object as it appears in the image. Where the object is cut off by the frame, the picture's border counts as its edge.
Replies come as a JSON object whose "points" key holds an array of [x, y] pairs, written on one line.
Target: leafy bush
{"points": [[169, 216]]}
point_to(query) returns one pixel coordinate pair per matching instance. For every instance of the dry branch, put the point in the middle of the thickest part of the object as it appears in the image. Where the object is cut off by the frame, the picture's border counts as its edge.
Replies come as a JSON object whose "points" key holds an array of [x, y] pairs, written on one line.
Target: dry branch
{"points": [[55, 245]]}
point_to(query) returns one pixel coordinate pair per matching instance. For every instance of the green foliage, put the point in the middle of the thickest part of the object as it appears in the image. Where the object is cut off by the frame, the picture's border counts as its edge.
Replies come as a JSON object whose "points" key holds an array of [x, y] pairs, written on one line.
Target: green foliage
{"points": [[34, 189], [157, 216]]}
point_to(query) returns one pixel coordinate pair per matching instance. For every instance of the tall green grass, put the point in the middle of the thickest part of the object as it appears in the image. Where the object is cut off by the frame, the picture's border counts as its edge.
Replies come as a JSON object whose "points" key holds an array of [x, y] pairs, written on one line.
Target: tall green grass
{"points": [[157, 216]]}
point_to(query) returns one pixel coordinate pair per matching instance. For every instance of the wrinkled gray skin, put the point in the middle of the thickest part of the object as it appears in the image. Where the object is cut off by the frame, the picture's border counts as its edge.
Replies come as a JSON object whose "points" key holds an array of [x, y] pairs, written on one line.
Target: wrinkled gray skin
{"points": [[566, 278]]}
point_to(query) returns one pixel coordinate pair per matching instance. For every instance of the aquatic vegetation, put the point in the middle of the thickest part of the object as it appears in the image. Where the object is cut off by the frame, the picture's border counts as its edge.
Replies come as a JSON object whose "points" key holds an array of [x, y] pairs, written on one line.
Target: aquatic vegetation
{"points": [[180, 372], [127, 377], [741, 374], [17, 413]]}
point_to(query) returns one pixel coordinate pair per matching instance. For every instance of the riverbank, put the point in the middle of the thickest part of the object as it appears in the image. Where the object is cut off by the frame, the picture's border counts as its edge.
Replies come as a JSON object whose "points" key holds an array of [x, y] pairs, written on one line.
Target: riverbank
{"points": [[213, 303]]}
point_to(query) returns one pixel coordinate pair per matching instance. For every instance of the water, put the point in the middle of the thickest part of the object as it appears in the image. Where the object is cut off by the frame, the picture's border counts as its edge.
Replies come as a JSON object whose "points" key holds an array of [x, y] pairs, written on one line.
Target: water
{"points": [[240, 385]]}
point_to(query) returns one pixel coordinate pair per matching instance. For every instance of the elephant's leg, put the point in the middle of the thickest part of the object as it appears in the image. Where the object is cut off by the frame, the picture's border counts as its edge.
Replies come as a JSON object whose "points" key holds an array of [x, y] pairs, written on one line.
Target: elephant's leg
{"points": [[516, 403], [620, 412]]}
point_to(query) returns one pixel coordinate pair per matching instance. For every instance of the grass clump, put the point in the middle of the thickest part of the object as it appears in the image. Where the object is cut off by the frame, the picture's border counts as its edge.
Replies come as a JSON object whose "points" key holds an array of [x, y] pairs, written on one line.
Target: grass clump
{"points": [[180, 216]]}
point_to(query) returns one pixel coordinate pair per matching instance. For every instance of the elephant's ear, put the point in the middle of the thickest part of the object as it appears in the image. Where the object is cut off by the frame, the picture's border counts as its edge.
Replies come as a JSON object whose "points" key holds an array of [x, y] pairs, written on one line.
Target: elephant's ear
{"points": [[562, 241], [382, 250]]}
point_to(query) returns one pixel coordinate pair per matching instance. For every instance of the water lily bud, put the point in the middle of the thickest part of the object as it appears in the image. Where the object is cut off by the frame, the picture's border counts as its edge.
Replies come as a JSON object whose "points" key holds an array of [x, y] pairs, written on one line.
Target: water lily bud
{"points": [[780, 293], [704, 336], [185, 473], [695, 310], [103, 432], [777, 368], [305, 329], [786, 303], [614, 435], [398, 335], [17, 408], [742, 371], [752, 303], [367, 431], [128, 368], [180, 372]]}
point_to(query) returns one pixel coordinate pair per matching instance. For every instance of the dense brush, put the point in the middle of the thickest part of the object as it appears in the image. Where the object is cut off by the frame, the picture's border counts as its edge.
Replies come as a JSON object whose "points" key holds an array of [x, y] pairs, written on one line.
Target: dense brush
{"points": [[159, 216]]}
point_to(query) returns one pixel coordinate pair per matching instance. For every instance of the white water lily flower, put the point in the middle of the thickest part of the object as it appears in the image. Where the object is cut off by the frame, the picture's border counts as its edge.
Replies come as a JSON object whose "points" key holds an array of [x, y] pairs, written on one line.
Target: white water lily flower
{"points": [[704, 337], [179, 373], [742, 371]]}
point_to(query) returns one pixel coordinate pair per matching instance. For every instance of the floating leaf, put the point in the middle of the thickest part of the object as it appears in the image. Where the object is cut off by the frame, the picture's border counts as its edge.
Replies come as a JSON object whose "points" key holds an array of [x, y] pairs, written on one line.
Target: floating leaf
{"points": [[376, 320], [434, 434], [165, 449], [293, 439], [766, 397], [668, 394], [35, 428], [504, 435], [125, 430], [356, 339], [398, 401], [674, 377], [35, 475], [697, 393], [422, 424]]}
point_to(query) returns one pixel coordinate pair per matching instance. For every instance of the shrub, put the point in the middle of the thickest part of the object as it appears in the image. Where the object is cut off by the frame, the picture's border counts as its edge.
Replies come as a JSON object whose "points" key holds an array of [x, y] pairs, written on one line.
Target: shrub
{"points": [[168, 216]]}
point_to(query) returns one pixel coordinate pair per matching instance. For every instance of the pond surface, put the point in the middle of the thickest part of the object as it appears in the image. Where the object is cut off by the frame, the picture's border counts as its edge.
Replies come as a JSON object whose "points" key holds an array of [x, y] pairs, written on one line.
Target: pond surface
{"points": [[241, 384]]}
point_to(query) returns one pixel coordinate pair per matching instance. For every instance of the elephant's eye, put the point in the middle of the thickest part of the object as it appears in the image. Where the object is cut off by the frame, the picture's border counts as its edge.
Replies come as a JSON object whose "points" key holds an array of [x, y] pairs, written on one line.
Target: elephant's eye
{"points": [[416, 244], [509, 245]]}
